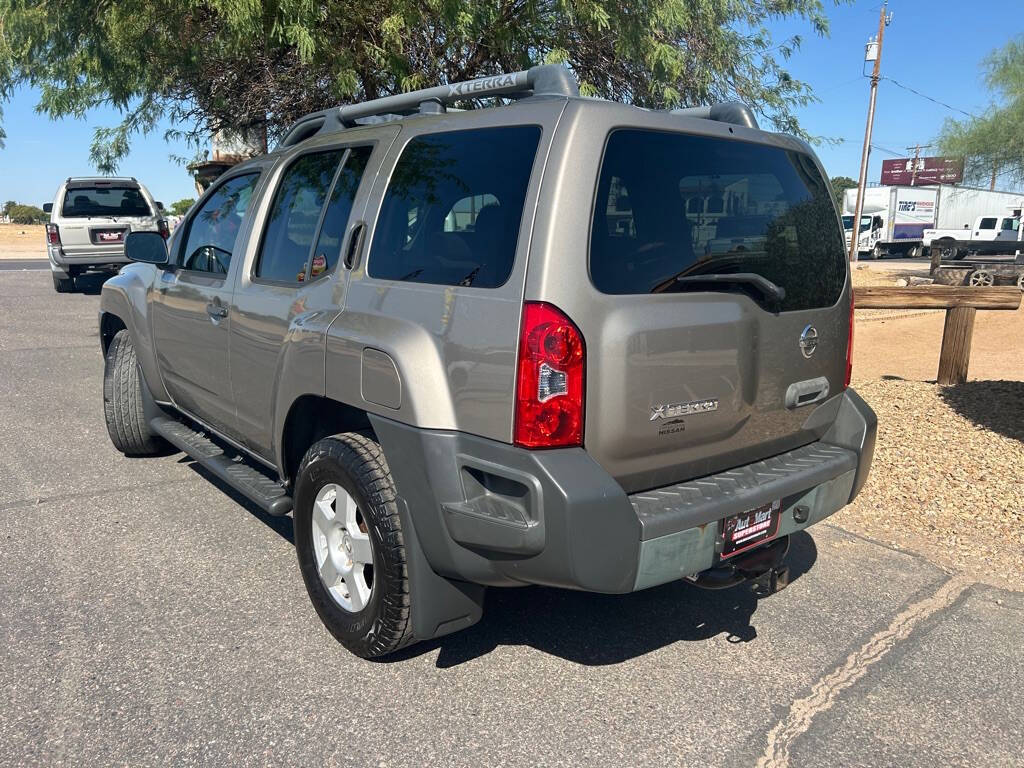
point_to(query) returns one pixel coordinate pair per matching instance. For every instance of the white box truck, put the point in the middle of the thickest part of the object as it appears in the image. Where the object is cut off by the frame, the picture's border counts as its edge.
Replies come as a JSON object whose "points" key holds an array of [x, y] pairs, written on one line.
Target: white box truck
{"points": [[894, 219]]}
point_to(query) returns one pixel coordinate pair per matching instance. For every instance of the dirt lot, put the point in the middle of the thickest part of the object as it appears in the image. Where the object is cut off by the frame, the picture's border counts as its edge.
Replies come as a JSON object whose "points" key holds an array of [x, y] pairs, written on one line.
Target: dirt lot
{"points": [[948, 477], [22, 241]]}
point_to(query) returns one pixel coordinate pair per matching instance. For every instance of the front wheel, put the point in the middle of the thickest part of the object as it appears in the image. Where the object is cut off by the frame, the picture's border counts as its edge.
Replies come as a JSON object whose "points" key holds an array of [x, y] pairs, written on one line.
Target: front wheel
{"points": [[122, 400], [350, 546], [877, 252]]}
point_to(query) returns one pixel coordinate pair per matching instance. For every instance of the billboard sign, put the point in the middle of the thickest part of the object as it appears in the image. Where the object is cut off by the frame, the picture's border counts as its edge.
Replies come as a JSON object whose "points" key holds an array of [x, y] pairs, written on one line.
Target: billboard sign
{"points": [[928, 170]]}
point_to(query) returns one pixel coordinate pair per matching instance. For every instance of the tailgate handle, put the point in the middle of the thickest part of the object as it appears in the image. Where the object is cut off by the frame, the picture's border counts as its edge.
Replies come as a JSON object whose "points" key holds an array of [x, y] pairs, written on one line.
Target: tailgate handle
{"points": [[806, 392]]}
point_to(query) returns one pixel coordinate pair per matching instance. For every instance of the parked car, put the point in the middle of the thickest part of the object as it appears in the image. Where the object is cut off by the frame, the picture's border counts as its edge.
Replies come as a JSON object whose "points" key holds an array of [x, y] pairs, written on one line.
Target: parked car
{"points": [[562, 341], [89, 219]]}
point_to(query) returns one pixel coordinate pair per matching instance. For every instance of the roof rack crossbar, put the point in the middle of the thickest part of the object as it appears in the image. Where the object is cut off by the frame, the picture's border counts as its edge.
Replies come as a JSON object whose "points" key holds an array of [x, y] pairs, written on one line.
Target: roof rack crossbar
{"points": [[724, 112], [544, 80]]}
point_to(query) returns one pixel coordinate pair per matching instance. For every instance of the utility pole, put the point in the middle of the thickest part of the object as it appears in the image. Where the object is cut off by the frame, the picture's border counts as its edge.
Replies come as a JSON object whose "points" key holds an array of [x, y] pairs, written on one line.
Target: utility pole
{"points": [[916, 149], [883, 21]]}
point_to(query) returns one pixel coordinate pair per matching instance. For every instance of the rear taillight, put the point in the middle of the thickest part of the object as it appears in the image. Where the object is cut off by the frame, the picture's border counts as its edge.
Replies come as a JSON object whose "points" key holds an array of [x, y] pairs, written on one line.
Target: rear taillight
{"points": [[549, 379], [164, 227], [52, 234], [849, 346]]}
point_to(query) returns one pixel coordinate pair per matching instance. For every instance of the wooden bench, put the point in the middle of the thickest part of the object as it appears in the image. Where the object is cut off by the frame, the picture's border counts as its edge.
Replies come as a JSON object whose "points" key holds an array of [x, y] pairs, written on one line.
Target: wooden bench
{"points": [[961, 302]]}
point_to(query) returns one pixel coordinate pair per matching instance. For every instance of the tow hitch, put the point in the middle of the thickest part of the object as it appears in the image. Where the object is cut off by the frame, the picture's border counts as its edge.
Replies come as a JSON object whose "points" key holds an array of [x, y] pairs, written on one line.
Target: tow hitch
{"points": [[765, 561]]}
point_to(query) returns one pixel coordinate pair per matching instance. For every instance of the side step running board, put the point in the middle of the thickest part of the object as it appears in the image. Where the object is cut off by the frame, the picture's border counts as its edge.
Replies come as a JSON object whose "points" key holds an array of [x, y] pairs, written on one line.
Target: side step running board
{"points": [[243, 477]]}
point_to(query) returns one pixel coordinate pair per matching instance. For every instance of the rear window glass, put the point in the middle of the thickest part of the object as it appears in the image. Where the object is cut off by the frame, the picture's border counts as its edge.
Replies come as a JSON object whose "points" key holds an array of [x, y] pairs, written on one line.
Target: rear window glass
{"points": [[673, 205], [453, 207], [104, 201]]}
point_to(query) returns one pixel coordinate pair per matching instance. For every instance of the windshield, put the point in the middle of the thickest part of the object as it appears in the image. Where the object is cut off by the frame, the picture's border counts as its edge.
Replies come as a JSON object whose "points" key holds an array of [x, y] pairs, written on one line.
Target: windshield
{"points": [[865, 223], [672, 205], [82, 202]]}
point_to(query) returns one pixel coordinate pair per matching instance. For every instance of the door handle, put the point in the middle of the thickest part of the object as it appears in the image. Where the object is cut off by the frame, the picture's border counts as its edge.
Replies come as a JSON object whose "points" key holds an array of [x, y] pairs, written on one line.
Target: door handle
{"points": [[355, 245], [216, 311], [806, 392]]}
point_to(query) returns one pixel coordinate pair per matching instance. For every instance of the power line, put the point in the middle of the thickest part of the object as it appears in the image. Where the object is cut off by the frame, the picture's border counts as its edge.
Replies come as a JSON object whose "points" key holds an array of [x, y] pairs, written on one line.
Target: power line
{"points": [[929, 98], [892, 152]]}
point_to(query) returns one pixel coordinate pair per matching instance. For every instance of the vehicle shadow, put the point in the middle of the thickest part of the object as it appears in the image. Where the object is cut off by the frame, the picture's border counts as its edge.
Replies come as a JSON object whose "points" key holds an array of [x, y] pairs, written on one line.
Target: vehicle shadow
{"points": [[595, 630], [584, 627], [282, 526], [993, 405], [91, 283]]}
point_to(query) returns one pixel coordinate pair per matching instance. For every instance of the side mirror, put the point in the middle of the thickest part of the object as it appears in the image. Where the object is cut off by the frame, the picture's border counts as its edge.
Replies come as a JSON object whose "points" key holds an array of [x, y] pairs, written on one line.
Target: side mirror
{"points": [[47, 207], [146, 247], [159, 205]]}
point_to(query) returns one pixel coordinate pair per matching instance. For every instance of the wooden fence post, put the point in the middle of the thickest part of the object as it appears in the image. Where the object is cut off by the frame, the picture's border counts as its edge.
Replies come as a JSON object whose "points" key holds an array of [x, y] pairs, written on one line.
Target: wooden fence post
{"points": [[956, 345], [961, 303]]}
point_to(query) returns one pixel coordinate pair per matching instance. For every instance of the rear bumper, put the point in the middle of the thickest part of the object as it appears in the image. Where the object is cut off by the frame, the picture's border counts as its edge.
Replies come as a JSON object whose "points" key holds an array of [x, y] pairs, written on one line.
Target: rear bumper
{"points": [[491, 513], [60, 259]]}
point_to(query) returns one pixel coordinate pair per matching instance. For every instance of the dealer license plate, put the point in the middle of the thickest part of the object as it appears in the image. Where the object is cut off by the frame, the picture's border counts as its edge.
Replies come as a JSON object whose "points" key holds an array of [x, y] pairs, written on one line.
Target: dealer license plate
{"points": [[115, 236], [748, 529]]}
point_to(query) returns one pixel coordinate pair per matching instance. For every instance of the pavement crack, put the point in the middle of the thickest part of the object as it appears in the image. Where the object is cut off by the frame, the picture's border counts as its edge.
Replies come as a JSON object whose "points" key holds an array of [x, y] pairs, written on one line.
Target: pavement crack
{"points": [[90, 494], [825, 692]]}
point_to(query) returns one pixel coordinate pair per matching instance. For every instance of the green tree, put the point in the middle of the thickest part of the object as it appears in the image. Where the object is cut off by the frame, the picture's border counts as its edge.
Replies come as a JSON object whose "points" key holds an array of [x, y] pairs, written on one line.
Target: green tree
{"points": [[839, 185], [993, 143], [27, 214], [180, 208], [252, 68], [7, 207]]}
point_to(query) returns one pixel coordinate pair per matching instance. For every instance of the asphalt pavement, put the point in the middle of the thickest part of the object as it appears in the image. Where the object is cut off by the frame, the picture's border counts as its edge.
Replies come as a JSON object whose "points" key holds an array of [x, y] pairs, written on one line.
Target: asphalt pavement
{"points": [[150, 617], [11, 265]]}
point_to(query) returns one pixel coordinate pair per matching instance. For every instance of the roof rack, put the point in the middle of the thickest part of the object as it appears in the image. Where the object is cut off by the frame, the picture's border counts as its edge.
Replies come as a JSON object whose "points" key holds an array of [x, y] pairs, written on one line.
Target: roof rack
{"points": [[545, 80], [724, 112]]}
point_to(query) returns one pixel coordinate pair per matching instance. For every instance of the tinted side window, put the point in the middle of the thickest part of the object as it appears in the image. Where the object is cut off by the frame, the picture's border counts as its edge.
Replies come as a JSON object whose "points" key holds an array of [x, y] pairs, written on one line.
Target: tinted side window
{"points": [[453, 208], [671, 205], [294, 217], [332, 231], [213, 230], [987, 224]]}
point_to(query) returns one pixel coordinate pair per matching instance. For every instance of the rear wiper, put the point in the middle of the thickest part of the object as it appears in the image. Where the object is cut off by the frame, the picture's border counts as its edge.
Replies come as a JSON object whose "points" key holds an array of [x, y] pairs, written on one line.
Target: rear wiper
{"points": [[468, 279], [767, 288]]}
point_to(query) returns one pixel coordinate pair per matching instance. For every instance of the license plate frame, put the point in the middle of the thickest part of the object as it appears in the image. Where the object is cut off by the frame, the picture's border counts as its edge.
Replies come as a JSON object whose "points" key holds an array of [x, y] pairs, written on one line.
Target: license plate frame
{"points": [[108, 236], [746, 530]]}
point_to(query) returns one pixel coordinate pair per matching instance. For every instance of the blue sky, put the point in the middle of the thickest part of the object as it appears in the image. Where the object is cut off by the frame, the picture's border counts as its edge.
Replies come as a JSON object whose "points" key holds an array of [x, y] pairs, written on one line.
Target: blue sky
{"points": [[932, 46]]}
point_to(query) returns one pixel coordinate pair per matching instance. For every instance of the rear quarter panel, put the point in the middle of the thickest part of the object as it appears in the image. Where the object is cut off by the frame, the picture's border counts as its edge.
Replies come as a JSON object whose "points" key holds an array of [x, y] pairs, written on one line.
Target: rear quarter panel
{"points": [[454, 347]]}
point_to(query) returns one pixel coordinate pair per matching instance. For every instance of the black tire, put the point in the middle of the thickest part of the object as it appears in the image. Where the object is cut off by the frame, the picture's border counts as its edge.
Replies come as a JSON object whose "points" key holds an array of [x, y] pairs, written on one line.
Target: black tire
{"points": [[63, 284], [122, 400], [356, 462], [948, 250]]}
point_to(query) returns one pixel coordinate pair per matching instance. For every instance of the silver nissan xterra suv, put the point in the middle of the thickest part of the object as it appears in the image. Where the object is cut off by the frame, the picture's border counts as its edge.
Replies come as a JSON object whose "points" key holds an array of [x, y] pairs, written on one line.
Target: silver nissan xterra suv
{"points": [[560, 341]]}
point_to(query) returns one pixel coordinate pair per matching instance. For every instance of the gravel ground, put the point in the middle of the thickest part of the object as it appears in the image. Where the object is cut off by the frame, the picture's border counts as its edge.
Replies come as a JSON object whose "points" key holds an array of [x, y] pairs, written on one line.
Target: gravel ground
{"points": [[948, 476]]}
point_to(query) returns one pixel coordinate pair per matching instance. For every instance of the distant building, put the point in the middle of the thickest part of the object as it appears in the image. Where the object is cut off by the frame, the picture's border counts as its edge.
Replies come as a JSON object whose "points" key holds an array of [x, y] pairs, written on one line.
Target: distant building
{"points": [[226, 150]]}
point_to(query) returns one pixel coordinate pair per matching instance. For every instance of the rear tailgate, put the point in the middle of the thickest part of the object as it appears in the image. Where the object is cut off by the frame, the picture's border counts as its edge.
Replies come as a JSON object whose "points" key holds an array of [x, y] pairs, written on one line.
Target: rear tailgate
{"points": [[687, 377], [95, 216]]}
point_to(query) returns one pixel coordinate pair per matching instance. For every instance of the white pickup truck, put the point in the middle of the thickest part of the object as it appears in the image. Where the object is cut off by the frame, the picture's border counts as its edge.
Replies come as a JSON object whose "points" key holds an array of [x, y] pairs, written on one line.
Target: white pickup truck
{"points": [[989, 232]]}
